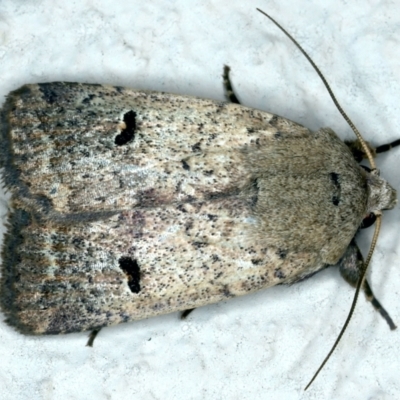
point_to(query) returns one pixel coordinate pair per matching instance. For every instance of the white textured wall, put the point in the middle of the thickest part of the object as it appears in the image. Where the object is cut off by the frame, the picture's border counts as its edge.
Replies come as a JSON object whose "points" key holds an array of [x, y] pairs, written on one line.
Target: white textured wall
{"points": [[263, 346]]}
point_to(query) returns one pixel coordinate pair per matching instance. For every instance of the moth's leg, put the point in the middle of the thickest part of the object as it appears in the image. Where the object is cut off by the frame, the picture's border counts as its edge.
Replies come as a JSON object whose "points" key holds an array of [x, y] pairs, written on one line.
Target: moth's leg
{"points": [[388, 146], [350, 266], [92, 336], [359, 153], [229, 93], [186, 313]]}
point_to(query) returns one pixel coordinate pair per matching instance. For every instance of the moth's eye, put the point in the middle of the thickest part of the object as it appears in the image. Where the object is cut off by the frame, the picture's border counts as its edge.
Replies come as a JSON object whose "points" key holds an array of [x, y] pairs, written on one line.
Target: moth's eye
{"points": [[368, 221], [366, 168]]}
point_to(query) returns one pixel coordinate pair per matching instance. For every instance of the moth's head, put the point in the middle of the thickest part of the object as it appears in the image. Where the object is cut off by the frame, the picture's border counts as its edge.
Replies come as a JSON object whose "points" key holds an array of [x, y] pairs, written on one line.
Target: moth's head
{"points": [[381, 195]]}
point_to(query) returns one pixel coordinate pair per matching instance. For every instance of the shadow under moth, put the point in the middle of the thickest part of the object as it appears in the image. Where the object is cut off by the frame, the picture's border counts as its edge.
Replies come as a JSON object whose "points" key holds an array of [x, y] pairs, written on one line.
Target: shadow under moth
{"points": [[127, 204]]}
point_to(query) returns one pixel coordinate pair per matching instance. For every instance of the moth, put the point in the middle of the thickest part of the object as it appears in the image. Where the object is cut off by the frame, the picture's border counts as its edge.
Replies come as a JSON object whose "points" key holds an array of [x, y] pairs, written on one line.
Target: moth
{"points": [[127, 204]]}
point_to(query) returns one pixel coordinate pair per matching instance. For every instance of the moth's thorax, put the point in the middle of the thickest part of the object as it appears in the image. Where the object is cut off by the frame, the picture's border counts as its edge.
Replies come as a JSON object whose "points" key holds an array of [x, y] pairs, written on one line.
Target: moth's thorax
{"points": [[314, 200], [381, 195]]}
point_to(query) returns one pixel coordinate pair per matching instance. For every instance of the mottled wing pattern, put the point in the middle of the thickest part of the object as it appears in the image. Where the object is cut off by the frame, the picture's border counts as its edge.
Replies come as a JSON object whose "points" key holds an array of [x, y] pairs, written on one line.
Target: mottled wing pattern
{"points": [[129, 204]]}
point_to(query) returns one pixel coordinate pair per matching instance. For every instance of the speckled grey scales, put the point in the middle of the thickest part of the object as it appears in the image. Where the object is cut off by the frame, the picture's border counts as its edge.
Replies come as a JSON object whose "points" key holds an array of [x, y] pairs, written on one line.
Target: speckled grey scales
{"points": [[129, 204]]}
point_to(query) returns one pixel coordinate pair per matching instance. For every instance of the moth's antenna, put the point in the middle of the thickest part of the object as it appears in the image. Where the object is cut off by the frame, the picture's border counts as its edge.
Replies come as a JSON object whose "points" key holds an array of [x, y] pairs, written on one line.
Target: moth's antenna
{"points": [[355, 298], [373, 167], [328, 88]]}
